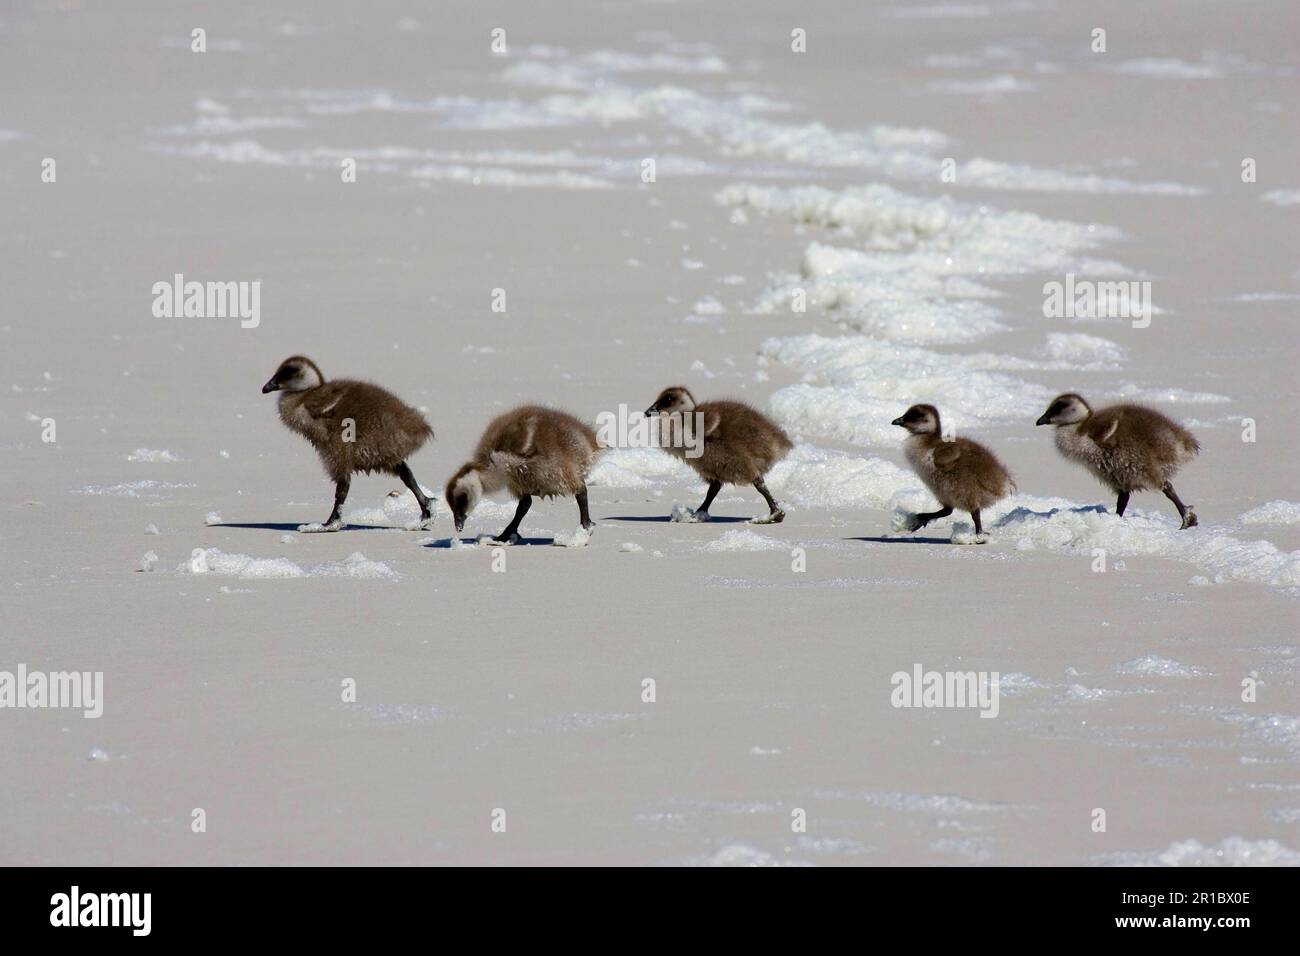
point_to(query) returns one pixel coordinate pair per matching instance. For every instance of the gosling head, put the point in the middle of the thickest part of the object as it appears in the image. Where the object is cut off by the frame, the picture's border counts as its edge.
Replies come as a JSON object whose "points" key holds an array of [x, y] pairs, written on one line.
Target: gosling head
{"points": [[919, 420], [295, 374], [463, 494], [671, 401], [1065, 409]]}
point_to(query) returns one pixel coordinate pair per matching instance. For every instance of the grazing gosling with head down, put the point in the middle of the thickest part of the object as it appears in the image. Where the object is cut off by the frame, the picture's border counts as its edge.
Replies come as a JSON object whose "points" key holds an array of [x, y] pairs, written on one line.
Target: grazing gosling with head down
{"points": [[725, 442], [528, 451], [354, 426], [1127, 447], [959, 472]]}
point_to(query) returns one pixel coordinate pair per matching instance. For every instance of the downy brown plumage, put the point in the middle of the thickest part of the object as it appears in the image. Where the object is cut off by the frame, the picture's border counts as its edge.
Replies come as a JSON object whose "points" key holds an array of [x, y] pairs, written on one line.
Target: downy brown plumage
{"points": [[737, 444], [529, 451], [354, 427], [1127, 447], [959, 472]]}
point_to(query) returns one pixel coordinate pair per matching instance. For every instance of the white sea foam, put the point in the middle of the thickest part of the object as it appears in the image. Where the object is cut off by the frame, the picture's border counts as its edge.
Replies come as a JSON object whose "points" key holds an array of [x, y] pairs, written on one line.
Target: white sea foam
{"points": [[133, 489], [606, 87], [215, 561], [1169, 68], [821, 478], [1152, 665], [1275, 512], [223, 125], [638, 468], [990, 86], [1231, 851], [742, 539], [152, 455], [738, 127], [862, 384], [576, 538], [1080, 530], [1282, 197], [912, 277]]}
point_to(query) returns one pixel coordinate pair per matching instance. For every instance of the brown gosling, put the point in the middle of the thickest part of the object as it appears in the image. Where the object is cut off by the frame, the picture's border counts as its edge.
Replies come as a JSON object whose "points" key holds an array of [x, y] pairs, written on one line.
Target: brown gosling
{"points": [[529, 451], [726, 442], [1127, 447], [959, 472], [354, 426]]}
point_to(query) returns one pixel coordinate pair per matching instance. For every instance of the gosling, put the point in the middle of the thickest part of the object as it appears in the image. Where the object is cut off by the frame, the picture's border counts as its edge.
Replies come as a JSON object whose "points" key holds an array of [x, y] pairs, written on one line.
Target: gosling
{"points": [[725, 442], [1127, 447], [959, 472], [354, 426], [529, 451]]}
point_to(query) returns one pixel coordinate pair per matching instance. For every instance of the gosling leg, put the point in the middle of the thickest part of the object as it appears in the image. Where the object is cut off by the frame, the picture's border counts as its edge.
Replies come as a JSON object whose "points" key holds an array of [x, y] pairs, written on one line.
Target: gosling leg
{"points": [[403, 471], [1121, 503], [776, 515], [340, 496], [702, 512], [512, 528], [1184, 512], [926, 517], [583, 515]]}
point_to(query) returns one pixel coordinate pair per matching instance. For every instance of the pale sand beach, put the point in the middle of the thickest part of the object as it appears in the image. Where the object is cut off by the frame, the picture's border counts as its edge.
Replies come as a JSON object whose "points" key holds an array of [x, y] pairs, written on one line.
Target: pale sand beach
{"points": [[381, 695]]}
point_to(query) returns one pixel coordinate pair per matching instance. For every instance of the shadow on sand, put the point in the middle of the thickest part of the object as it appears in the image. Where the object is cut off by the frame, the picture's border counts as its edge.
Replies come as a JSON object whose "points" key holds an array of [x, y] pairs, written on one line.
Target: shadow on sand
{"points": [[885, 540], [446, 543], [666, 519], [278, 526]]}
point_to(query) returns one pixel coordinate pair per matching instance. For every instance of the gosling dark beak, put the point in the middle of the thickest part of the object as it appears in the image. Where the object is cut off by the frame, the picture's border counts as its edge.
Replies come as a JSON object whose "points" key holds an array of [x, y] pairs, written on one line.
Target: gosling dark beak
{"points": [[271, 386], [460, 525], [650, 412], [898, 421], [1042, 420]]}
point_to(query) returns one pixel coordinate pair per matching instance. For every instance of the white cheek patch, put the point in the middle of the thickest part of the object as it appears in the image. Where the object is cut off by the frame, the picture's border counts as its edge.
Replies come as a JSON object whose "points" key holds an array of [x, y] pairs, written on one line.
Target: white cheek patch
{"points": [[471, 486]]}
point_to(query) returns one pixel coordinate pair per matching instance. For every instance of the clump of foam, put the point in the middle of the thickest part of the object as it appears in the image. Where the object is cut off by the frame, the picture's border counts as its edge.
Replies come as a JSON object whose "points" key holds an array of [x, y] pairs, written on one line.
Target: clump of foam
{"points": [[814, 477], [739, 854], [991, 86], [1275, 512], [682, 514], [152, 455], [742, 539], [1230, 851], [630, 547], [215, 561], [1081, 529], [1089, 694], [149, 561], [862, 384], [1169, 68], [355, 565], [1170, 396], [638, 468], [398, 508], [1152, 665], [737, 125], [964, 534], [1074, 350], [1282, 197], [577, 538], [133, 489]]}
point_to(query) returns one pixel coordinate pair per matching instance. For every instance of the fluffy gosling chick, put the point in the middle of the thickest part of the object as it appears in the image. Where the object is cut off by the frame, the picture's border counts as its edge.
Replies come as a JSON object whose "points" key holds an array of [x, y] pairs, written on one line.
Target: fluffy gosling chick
{"points": [[354, 426], [528, 451], [959, 472], [725, 442], [1127, 447]]}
